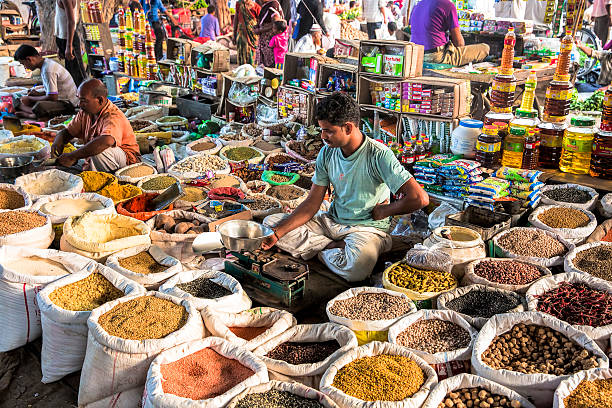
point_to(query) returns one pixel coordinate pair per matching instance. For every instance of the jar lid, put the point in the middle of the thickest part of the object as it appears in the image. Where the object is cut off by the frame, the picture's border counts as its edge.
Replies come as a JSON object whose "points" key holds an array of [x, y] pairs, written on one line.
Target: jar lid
{"points": [[471, 123], [501, 125], [490, 130], [582, 121], [523, 113], [518, 131], [552, 126]]}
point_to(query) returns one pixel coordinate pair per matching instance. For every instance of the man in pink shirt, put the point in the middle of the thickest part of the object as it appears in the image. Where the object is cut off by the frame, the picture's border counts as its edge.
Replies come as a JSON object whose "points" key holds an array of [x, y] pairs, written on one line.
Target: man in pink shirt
{"points": [[603, 18]]}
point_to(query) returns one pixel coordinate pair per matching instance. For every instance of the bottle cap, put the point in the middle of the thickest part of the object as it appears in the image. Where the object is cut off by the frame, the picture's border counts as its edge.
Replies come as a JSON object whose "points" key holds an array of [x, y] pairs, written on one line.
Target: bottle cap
{"points": [[523, 113], [517, 131], [490, 130], [582, 121], [471, 123], [501, 125]]}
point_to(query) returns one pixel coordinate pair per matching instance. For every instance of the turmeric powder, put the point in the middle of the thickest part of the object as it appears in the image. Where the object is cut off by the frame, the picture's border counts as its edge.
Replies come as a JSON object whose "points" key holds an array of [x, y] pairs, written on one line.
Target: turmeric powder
{"points": [[93, 181], [119, 193]]}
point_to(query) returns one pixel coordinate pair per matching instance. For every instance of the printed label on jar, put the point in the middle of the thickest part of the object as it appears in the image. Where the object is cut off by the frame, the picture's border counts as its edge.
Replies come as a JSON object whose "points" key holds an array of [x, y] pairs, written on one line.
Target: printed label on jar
{"points": [[488, 147], [607, 102], [513, 147], [578, 146], [533, 145], [551, 141], [504, 87], [559, 95], [602, 151]]}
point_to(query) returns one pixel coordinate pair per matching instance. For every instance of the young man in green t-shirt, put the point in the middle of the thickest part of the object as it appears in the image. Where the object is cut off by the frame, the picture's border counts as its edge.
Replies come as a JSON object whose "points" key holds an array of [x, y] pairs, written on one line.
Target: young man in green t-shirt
{"points": [[353, 233]]}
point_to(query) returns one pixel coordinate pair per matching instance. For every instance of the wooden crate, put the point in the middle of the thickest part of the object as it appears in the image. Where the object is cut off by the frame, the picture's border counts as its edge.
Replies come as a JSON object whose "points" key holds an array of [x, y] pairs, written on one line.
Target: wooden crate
{"points": [[180, 46], [302, 108], [227, 84], [412, 57], [220, 58], [327, 70]]}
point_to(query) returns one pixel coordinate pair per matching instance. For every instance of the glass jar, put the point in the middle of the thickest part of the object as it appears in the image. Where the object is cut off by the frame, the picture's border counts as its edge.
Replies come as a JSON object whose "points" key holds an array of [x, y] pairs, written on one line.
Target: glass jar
{"points": [[514, 146], [551, 144], [525, 119], [577, 146], [557, 102], [601, 159], [492, 118], [532, 150], [502, 129], [488, 147]]}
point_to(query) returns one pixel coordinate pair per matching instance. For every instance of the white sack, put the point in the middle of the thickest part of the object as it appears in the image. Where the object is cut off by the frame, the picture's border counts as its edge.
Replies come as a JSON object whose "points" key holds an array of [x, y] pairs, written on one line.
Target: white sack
{"points": [[107, 204], [27, 200], [574, 235], [589, 205], [132, 180], [606, 205], [290, 387], [568, 385], [39, 237], [74, 184], [471, 278], [569, 266], [547, 262]]}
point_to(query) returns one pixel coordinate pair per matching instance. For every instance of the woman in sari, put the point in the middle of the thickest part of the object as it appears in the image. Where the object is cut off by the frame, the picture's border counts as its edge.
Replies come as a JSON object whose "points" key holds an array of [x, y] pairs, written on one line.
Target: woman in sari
{"points": [[245, 22], [270, 12]]}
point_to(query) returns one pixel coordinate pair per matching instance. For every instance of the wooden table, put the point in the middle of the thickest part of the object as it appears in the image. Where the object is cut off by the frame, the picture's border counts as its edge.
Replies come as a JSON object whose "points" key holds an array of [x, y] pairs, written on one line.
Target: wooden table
{"points": [[558, 177]]}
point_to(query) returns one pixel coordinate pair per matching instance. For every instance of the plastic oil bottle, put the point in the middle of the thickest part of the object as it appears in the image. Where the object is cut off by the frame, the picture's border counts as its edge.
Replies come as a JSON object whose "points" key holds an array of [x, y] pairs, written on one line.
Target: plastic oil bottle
{"points": [[504, 84], [488, 147], [557, 102], [514, 147], [601, 159], [577, 146]]}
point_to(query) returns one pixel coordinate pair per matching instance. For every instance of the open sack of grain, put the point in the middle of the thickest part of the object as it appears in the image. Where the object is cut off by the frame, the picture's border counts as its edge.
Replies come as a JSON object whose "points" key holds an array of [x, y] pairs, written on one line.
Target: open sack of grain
{"points": [[281, 394], [573, 224], [203, 373], [535, 245], [13, 197], [515, 275], [592, 388], [44, 183], [31, 229]]}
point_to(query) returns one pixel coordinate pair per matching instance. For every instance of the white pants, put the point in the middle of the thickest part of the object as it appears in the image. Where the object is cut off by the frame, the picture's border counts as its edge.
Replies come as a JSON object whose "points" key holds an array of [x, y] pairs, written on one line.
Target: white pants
{"points": [[354, 263], [109, 160]]}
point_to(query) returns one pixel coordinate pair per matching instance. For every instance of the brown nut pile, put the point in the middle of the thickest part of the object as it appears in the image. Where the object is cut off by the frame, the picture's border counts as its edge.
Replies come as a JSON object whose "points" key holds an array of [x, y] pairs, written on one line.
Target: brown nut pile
{"points": [[532, 349], [179, 226], [477, 397]]}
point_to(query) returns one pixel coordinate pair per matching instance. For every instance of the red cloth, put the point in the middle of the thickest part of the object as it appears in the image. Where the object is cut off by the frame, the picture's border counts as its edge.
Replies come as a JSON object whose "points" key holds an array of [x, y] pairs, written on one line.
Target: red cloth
{"points": [[226, 193]]}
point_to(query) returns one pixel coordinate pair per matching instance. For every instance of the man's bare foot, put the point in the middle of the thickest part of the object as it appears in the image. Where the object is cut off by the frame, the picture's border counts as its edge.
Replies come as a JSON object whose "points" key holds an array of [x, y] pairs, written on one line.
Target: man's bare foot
{"points": [[336, 244]]}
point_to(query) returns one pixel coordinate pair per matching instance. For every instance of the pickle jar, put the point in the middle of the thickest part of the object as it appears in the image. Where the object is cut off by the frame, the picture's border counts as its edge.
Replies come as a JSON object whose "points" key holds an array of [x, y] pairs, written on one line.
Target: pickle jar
{"points": [[551, 144], [557, 102], [488, 147]]}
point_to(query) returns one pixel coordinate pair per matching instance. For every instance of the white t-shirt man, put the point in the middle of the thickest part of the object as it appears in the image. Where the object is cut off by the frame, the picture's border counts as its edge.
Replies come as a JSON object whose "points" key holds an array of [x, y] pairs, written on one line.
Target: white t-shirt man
{"points": [[57, 80], [371, 10], [305, 45], [511, 9]]}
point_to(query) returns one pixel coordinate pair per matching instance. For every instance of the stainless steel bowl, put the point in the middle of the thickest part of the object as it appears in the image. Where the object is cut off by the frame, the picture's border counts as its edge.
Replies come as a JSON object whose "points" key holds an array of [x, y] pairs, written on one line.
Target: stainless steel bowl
{"points": [[241, 235], [11, 167]]}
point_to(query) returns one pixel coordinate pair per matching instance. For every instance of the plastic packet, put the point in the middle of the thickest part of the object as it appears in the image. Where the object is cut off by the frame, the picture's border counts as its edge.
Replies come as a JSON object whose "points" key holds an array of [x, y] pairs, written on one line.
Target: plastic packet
{"points": [[491, 187], [414, 224], [265, 113], [422, 257], [526, 186], [510, 173]]}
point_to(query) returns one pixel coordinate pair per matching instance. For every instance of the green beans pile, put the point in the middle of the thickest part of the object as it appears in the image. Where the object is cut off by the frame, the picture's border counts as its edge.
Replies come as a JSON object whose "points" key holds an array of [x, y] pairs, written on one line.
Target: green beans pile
{"points": [[420, 280]]}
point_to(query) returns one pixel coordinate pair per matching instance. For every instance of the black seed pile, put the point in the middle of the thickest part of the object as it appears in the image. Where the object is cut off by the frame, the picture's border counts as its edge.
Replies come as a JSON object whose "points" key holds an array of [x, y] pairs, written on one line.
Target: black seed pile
{"points": [[277, 399], [303, 353], [204, 288], [484, 303], [568, 195]]}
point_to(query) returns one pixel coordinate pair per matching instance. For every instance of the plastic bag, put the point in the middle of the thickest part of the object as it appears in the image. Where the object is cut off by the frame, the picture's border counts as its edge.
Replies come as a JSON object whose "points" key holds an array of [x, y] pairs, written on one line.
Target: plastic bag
{"points": [[437, 218], [574, 235], [290, 387], [430, 258], [366, 330], [538, 388], [369, 350], [241, 94], [155, 397], [413, 225], [567, 386], [589, 205], [307, 374]]}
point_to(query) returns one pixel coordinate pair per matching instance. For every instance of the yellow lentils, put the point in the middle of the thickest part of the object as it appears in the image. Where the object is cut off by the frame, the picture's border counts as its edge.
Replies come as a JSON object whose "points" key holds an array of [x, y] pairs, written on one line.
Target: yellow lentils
{"points": [[420, 280], [384, 377], [85, 294]]}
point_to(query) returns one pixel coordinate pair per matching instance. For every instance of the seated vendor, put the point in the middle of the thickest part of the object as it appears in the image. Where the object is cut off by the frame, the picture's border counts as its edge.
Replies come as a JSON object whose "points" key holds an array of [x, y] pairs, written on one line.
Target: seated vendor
{"points": [[350, 237], [430, 22], [110, 143], [605, 75], [311, 43], [60, 96]]}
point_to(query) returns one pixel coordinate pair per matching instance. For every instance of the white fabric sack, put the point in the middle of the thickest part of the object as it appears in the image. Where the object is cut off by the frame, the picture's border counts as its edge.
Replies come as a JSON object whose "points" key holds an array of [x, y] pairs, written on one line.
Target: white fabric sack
{"points": [[107, 204], [73, 184], [90, 235], [264, 213], [372, 349], [185, 175], [366, 325], [438, 394], [145, 112], [150, 281], [125, 399], [133, 180], [574, 235], [290, 387], [290, 205], [178, 246], [218, 324], [567, 386], [461, 354], [547, 262], [307, 374], [212, 152], [20, 316], [606, 205], [255, 160], [65, 331], [27, 200], [477, 322], [41, 153], [249, 185], [471, 278], [128, 360], [569, 266], [39, 237], [152, 176], [589, 205], [234, 303], [155, 397], [538, 388], [600, 334]]}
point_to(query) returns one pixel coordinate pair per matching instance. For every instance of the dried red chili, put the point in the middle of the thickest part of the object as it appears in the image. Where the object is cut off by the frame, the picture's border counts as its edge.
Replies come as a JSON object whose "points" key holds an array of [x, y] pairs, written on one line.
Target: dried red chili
{"points": [[577, 303]]}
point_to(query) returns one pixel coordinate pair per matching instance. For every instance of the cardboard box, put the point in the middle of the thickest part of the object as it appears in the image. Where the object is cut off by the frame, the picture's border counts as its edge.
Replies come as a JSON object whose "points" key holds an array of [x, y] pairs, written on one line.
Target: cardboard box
{"points": [[174, 46], [327, 70], [346, 48], [220, 58], [385, 63], [297, 102], [303, 67], [227, 84], [390, 122]]}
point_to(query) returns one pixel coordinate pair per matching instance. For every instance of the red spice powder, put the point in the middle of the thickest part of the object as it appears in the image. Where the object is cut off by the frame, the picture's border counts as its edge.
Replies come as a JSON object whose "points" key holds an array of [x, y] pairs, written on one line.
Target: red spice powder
{"points": [[248, 333], [202, 375], [608, 236]]}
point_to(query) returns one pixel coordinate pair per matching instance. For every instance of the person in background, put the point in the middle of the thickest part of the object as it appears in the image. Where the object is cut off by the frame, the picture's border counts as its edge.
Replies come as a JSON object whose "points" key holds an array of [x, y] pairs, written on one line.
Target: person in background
{"points": [[311, 42], [60, 96], [108, 138], [431, 22], [605, 75], [279, 43], [393, 12], [270, 12], [245, 38], [602, 19], [334, 29], [310, 12], [351, 236], [67, 40], [392, 29], [152, 9], [210, 24], [375, 15]]}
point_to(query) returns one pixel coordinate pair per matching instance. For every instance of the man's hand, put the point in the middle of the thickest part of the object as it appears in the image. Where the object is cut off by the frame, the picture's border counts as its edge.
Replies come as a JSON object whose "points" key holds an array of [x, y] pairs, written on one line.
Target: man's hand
{"points": [[69, 52], [57, 148], [66, 160], [378, 212], [27, 101], [269, 242]]}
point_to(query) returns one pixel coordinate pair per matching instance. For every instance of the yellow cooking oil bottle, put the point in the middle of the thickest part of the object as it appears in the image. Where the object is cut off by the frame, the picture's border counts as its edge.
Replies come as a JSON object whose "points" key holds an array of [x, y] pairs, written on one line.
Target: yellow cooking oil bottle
{"points": [[514, 146], [577, 146]]}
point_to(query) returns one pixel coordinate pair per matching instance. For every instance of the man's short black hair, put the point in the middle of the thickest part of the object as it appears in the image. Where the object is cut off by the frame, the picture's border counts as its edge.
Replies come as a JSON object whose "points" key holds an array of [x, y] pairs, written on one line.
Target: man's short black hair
{"points": [[352, 3], [391, 27], [280, 25], [338, 109], [24, 52], [211, 9]]}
